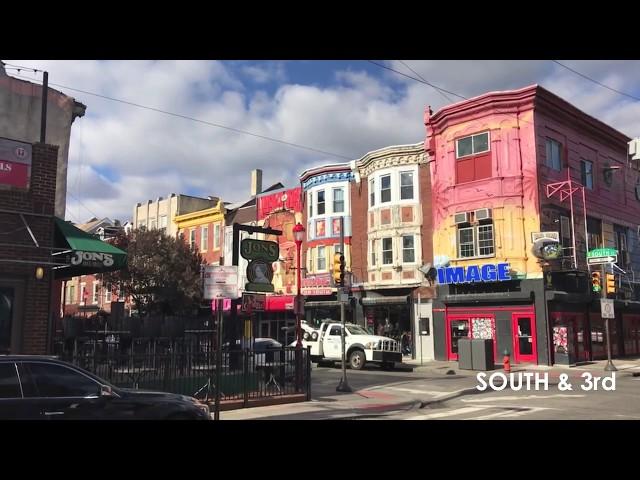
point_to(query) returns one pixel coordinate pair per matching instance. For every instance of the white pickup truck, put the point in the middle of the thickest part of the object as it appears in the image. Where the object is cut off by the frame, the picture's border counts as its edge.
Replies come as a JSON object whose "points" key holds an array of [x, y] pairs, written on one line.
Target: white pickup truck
{"points": [[361, 346]]}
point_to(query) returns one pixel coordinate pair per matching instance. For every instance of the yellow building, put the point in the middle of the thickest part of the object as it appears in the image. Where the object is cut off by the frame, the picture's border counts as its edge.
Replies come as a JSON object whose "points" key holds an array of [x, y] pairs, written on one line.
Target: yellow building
{"points": [[204, 229]]}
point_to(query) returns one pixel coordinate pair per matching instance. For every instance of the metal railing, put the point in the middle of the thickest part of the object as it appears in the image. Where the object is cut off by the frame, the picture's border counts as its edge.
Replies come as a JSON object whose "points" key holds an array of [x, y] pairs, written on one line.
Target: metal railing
{"points": [[188, 367]]}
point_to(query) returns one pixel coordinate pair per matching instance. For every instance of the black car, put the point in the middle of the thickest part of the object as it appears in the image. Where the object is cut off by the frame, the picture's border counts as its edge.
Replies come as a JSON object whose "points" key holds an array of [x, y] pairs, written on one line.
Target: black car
{"points": [[44, 388]]}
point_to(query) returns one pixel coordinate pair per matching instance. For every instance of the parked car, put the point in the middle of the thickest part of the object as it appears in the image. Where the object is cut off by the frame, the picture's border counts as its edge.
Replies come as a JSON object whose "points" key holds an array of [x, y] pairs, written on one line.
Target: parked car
{"points": [[44, 388], [265, 349]]}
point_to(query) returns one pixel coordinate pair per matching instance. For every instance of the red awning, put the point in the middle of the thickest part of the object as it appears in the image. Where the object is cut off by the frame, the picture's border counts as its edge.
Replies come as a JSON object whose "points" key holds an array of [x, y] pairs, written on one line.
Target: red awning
{"points": [[279, 303]]}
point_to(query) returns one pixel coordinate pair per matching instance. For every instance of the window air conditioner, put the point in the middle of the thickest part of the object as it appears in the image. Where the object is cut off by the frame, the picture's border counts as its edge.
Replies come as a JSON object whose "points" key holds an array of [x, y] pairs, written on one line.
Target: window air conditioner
{"points": [[462, 217], [483, 214]]}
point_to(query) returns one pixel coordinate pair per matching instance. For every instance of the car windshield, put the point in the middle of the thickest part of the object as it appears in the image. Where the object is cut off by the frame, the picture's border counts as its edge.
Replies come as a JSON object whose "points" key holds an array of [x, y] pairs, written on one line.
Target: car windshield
{"points": [[356, 330]]}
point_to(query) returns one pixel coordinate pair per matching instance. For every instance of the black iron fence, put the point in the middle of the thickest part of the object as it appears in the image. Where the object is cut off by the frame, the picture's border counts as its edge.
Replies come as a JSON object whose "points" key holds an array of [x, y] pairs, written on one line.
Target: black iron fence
{"points": [[188, 367]]}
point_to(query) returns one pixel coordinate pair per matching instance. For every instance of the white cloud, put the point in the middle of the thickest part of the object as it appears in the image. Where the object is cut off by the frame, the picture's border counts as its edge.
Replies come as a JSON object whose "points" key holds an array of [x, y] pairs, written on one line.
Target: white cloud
{"points": [[152, 154]]}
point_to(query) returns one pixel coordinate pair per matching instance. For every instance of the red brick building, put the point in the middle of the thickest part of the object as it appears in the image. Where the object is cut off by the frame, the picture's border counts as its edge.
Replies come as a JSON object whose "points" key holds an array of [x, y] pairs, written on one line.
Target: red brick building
{"points": [[26, 244]]}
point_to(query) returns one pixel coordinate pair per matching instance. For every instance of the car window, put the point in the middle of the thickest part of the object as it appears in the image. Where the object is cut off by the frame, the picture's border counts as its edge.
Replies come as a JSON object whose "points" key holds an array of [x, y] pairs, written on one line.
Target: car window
{"points": [[9, 384], [335, 330], [59, 381]]}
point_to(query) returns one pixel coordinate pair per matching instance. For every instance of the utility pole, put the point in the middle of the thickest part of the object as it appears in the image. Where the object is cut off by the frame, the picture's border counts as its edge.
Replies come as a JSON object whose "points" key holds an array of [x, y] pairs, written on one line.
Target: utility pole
{"points": [[219, 307], [610, 366], [343, 386]]}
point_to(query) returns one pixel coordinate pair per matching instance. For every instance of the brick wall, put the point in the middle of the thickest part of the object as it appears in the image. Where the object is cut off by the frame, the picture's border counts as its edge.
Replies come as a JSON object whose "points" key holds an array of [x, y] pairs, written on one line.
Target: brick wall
{"points": [[427, 215], [359, 207], [40, 199]]}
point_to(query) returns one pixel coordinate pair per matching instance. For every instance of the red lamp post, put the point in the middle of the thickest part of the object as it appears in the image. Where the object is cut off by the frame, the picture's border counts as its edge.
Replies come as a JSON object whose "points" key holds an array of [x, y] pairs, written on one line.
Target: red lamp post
{"points": [[298, 235]]}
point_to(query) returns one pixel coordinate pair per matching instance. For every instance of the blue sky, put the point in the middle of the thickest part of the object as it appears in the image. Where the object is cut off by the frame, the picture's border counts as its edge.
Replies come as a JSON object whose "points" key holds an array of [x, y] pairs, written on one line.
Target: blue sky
{"points": [[121, 154]]}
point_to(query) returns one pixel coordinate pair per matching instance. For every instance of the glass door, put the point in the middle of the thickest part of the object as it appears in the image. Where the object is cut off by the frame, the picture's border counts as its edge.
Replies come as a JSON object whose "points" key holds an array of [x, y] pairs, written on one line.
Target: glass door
{"points": [[524, 338], [457, 328]]}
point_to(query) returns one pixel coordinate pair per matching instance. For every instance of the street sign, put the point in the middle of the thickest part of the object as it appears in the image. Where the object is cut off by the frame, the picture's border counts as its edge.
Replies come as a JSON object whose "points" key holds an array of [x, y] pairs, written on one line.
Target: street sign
{"points": [[220, 281], [253, 302], [602, 252], [606, 308], [601, 260]]}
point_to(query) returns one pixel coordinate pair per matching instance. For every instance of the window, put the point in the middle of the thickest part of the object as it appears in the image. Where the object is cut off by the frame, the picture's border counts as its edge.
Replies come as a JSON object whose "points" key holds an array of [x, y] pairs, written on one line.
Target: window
{"points": [[107, 295], [59, 381], [465, 242], [472, 145], [216, 236], [94, 298], [476, 241], [322, 260], [83, 294], [374, 245], [385, 188], [485, 240], [586, 173], [163, 223], [565, 233], [320, 202], [71, 294], [152, 223], [621, 244], [338, 200], [142, 224], [9, 385], [554, 150], [192, 238], [204, 238], [310, 205], [310, 258], [474, 158], [408, 254], [372, 192], [594, 231], [336, 248], [406, 185], [387, 251], [335, 330]]}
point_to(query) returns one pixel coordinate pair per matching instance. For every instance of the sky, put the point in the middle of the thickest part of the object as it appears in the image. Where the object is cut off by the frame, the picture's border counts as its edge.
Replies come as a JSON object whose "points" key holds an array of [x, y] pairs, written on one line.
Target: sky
{"points": [[122, 154]]}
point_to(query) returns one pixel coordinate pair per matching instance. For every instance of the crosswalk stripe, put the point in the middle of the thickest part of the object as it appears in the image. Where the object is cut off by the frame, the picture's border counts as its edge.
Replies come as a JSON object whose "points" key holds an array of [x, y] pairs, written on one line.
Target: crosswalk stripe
{"points": [[449, 413], [491, 415]]}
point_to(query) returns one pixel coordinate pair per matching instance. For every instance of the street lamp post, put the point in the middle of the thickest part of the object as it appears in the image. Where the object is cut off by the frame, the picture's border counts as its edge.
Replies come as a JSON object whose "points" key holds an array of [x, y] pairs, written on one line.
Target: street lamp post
{"points": [[298, 234]]}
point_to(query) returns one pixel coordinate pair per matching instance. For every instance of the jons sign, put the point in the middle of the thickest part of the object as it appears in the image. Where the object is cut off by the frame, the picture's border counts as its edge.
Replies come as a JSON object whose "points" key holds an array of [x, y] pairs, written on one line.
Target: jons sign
{"points": [[92, 258], [259, 250], [474, 273]]}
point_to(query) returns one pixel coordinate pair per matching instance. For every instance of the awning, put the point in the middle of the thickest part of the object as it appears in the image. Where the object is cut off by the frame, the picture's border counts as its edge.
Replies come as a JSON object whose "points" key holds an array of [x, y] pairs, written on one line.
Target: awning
{"points": [[324, 304], [395, 300], [84, 254]]}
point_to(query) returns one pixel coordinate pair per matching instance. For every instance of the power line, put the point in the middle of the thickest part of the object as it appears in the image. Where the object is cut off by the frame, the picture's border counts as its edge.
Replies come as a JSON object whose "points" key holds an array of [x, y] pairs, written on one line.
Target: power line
{"points": [[417, 79], [80, 202], [446, 97], [596, 81], [452, 93], [193, 119]]}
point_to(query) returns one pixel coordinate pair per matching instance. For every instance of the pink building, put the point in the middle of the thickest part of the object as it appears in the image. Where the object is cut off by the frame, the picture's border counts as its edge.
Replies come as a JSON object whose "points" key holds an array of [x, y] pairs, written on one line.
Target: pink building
{"points": [[508, 171]]}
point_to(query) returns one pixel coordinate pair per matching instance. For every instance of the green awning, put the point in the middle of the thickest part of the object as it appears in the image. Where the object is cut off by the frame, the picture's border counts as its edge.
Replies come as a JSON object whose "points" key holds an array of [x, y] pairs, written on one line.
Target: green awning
{"points": [[84, 254]]}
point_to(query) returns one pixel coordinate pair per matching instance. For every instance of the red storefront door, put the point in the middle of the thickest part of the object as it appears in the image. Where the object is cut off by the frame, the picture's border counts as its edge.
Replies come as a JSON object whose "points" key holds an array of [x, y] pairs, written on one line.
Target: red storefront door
{"points": [[469, 325], [524, 338], [631, 332]]}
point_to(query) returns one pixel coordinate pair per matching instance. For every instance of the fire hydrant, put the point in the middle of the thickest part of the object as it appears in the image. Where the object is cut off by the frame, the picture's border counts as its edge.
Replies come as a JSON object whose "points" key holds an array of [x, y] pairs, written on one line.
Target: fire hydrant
{"points": [[506, 362]]}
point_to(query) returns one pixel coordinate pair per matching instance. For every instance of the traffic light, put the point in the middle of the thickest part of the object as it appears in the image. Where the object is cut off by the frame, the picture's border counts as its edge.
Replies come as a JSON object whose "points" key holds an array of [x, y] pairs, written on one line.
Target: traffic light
{"points": [[596, 282], [611, 283], [338, 269]]}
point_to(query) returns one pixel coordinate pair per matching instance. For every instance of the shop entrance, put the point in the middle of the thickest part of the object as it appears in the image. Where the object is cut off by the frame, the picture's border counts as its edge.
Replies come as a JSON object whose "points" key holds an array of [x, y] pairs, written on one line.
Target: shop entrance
{"points": [[477, 326], [524, 338]]}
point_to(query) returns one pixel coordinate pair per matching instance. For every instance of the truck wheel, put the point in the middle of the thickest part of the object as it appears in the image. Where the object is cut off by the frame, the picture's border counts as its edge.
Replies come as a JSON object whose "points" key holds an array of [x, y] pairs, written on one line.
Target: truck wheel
{"points": [[357, 359]]}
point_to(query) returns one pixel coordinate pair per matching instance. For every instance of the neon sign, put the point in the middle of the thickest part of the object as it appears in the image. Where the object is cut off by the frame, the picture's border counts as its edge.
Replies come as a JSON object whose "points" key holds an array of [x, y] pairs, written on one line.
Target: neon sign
{"points": [[474, 273]]}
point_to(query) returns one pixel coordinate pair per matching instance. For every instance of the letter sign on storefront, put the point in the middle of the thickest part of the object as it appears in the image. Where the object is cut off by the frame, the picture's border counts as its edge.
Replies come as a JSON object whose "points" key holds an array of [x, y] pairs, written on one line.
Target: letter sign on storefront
{"points": [[474, 273]]}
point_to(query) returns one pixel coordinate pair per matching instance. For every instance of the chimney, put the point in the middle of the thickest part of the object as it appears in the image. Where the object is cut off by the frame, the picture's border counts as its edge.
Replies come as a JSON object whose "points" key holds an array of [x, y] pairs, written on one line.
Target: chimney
{"points": [[256, 182]]}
